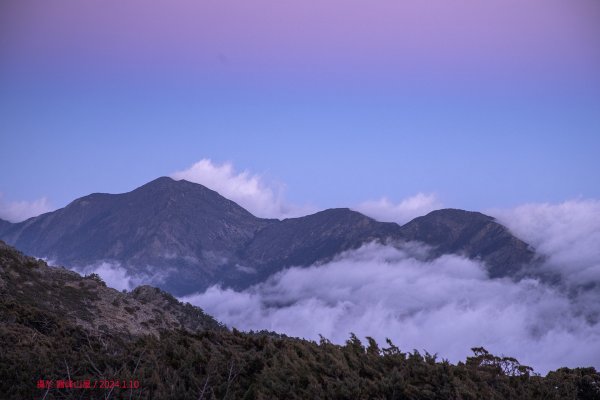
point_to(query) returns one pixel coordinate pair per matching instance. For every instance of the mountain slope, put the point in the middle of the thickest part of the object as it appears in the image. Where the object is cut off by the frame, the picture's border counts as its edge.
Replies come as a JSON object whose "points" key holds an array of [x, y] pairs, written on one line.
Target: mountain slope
{"points": [[311, 239], [159, 219], [160, 225], [88, 303], [473, 234], [4, 226]]}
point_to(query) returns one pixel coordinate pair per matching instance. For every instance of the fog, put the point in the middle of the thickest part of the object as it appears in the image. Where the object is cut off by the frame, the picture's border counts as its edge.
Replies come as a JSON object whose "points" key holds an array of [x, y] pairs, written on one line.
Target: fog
{"points": [[118, 277]]}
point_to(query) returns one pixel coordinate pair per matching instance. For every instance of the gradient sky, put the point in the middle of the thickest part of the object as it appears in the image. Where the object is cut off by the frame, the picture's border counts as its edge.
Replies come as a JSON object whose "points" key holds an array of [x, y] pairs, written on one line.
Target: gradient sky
{"points": [[484, 103]]}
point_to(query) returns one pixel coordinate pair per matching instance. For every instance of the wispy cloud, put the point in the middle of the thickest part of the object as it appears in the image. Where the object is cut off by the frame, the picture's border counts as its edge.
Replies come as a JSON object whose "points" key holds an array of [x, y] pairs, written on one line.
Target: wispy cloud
{"points": [[251, 191], [402, 212], [118, 277], [17, 211]]}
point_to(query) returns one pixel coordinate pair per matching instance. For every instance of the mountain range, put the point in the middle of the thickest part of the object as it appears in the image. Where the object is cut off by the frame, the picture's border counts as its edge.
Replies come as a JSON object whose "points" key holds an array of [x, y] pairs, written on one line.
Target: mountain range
{"points": [[194, 238]]}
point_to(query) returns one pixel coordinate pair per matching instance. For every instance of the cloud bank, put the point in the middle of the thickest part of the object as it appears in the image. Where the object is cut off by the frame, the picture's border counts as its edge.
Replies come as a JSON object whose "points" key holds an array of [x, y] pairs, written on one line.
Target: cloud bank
{"points": [[568, 234], [17, 211], [248, 190], [406, 210], [445, 306]]}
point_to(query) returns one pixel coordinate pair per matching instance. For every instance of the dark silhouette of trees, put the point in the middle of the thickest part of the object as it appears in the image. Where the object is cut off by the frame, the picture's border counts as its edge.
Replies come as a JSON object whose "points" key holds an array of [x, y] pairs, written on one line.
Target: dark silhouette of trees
{"points": [[224, 364]]}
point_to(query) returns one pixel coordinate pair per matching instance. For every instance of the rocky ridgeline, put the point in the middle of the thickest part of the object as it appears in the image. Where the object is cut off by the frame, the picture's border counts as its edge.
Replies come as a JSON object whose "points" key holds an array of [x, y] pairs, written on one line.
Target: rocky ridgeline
{"points": [[89, 303]]}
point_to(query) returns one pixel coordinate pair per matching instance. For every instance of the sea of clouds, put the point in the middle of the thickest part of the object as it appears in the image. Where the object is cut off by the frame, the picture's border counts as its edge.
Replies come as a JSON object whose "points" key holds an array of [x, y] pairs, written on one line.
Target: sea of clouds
{"points": [[446, 305]]}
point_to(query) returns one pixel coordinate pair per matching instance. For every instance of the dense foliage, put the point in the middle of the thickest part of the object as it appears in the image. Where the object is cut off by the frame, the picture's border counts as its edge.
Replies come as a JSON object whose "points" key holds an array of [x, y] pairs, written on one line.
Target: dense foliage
{"points": [[233, 365]]}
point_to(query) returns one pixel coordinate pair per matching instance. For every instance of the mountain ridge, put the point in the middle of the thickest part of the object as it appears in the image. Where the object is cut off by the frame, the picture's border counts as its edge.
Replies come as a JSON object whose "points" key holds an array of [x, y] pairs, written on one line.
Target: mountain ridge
{"points": [[208, 239], [474, 234]]}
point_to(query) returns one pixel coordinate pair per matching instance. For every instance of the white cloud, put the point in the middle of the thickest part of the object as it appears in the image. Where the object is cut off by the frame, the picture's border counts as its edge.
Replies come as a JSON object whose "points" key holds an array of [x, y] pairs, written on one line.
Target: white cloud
{"points": [[447, 306], [248, 190], [17, 211], [402, 212], [120, 278], [568, 234]]}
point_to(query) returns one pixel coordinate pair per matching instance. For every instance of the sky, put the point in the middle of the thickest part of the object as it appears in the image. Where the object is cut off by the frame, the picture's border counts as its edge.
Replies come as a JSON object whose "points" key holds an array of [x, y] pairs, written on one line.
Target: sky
{"points": [[481, 104]]}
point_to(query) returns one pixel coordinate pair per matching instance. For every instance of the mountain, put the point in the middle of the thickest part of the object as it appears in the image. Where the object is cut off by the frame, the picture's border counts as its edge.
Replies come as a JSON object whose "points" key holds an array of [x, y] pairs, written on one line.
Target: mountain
{"points": [[311, 239], [161, 225], [4, 226], [190, 237], [473, 234]]}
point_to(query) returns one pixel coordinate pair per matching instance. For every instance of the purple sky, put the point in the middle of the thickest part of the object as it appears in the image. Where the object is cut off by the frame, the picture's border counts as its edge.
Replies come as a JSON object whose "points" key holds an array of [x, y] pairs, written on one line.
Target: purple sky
{"points": [[547, 42], [401, 96]]}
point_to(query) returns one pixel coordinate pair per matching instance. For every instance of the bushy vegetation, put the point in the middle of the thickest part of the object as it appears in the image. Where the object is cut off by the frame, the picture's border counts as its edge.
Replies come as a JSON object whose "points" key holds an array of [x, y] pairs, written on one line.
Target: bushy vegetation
{"points": [[219, 364]]}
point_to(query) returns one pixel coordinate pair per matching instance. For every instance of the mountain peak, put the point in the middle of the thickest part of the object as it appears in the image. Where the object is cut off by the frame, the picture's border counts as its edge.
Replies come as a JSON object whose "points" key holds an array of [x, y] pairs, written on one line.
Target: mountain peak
{"points": [[457, 214], [472, 234], [168, 183], [162, 224]]}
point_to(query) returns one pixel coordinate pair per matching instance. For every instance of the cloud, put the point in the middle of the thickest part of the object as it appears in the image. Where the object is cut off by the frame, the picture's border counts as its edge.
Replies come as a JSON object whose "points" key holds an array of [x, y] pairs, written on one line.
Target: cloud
{"points": [[446, 305], [248, 190], [17, 211], [568, 234], [408, 209], [120, 278]]}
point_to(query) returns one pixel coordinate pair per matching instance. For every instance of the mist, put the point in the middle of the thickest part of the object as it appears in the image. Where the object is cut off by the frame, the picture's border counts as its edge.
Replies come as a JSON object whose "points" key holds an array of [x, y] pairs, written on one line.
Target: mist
{"points": [[118, 277]]}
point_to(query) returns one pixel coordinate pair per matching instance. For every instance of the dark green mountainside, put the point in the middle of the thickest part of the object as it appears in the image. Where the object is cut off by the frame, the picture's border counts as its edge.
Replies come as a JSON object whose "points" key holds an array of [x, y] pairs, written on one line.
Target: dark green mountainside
{"points": [[200, 238], [60, 332]]}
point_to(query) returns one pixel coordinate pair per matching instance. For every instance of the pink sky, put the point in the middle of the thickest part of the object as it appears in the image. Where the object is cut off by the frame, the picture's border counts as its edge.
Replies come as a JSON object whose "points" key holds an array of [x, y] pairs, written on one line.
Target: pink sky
{"points": [[548, 40]]}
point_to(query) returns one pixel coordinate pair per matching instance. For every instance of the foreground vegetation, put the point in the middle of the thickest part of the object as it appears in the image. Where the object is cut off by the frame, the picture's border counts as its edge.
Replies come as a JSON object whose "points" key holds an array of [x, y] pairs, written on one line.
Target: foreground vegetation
{"points": [[218, 364]]}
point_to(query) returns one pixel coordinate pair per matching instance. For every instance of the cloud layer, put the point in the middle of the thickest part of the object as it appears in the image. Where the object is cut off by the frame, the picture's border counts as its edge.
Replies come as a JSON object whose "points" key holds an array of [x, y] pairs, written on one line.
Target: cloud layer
{"points": [[402, 212], [568, 234], [447, 306], [17, 211], [248, 190]]}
